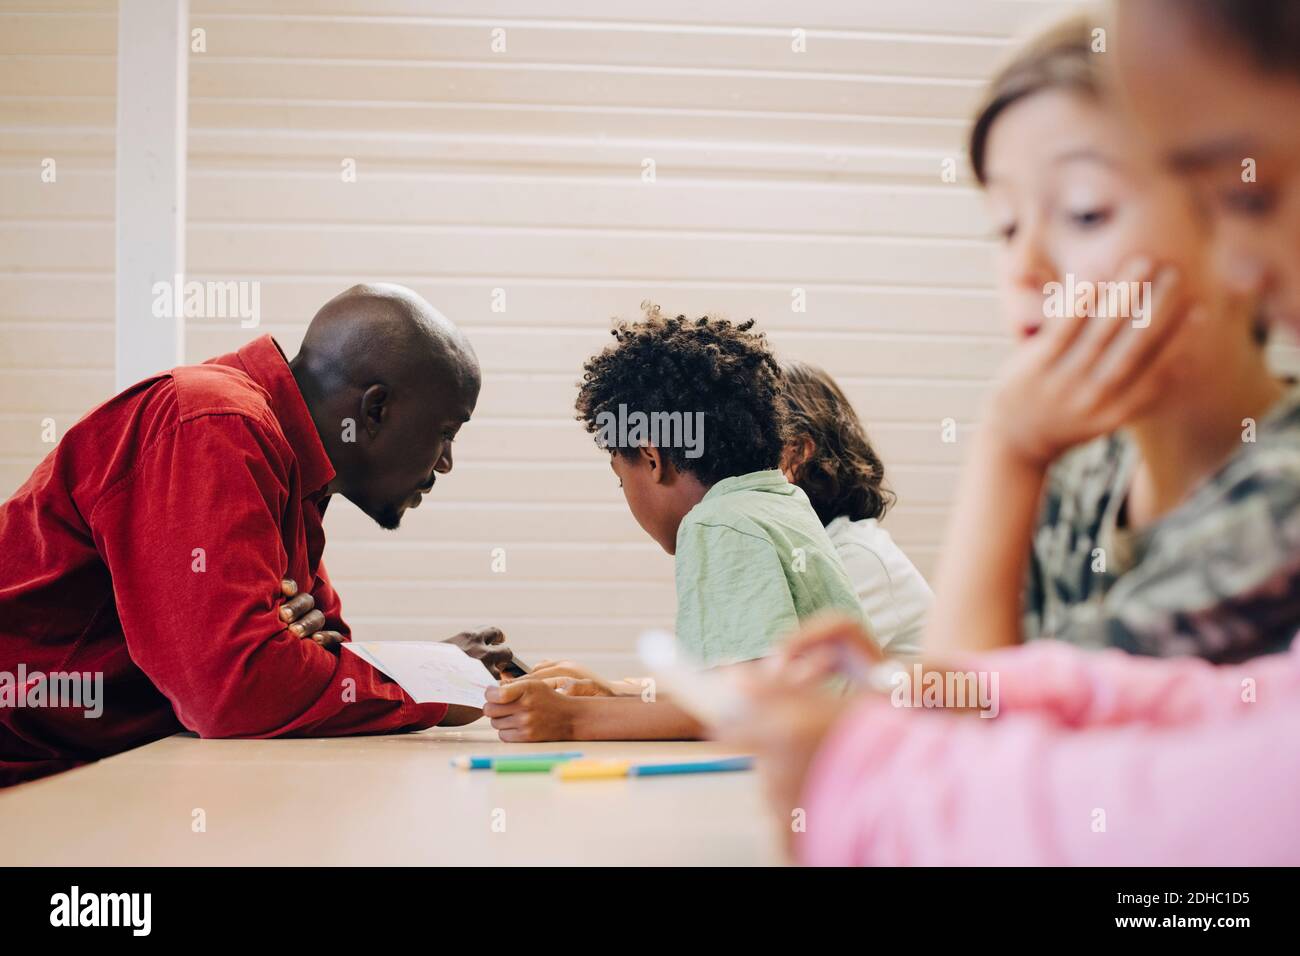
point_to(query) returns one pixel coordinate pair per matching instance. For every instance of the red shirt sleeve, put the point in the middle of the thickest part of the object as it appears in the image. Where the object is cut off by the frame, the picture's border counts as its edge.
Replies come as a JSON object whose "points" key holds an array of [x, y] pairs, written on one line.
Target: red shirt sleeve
{"points": [[191, 537], [329, 603]]}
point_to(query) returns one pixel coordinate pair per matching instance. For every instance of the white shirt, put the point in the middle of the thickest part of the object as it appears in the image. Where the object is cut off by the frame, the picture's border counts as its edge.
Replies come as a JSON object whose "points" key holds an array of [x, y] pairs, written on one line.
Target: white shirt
{"points": [[894, 596]]}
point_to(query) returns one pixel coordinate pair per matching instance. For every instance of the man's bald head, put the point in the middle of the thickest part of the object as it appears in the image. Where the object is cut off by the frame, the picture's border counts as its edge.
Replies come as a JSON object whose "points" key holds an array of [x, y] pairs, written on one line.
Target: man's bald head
{"points": [[386, 332], [389, 380]]}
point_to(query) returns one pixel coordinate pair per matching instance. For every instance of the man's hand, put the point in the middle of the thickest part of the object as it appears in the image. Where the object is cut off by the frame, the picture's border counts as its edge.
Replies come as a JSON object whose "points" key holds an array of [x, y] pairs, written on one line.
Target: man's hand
{"points": [[528, 711], [487, 645], [300, 614], [458, 715]]}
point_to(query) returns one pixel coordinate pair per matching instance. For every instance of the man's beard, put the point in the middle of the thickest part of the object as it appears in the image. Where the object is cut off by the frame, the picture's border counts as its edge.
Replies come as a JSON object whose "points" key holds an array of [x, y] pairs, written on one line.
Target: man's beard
{"points": [[388, 517]]}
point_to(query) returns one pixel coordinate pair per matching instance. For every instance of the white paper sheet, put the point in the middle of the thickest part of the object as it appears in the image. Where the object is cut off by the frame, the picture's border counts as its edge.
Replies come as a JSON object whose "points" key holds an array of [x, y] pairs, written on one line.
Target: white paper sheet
{"points": [[430, 671]]}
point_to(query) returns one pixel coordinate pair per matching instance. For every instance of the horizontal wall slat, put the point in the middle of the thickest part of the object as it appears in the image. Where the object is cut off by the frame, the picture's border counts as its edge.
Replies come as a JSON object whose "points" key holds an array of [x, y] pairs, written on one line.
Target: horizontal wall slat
{"points": [[552, 350], [532, 41], [536, 40], [982, 18], [561, 85], [560, 253], [251, 251], [467, 129], [289, 302], [485, 200]]}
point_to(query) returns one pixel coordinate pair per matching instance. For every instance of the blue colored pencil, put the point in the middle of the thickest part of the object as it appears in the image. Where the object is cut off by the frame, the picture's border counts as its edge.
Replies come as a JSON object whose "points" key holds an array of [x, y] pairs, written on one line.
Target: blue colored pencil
{"points": [[607, 769], [692, 766]]}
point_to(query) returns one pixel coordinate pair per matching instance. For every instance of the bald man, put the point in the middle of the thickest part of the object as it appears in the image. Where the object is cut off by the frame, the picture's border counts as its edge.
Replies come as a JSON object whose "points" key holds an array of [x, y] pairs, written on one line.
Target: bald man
{"points": [[138, 563]]}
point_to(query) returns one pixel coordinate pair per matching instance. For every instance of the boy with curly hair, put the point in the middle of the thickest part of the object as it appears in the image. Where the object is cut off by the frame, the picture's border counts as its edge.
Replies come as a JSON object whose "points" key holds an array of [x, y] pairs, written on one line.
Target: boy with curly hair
{"points": [[693, 414]]}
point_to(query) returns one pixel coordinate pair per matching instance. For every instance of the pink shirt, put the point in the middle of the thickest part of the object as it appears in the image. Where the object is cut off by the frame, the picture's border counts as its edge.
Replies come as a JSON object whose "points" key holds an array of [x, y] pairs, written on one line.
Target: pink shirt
{"points": [[1096, 758]]}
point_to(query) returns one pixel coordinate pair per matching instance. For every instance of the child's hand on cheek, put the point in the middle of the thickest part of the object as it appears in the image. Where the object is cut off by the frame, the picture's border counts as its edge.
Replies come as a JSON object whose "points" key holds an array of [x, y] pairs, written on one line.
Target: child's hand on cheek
{"points": [[1081, 377], [527, 711]]}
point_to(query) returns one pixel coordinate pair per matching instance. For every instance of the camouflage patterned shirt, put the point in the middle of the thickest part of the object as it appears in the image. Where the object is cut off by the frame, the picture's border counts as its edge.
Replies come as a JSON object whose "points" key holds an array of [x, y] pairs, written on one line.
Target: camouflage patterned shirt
{"points": [[1218, 577]]}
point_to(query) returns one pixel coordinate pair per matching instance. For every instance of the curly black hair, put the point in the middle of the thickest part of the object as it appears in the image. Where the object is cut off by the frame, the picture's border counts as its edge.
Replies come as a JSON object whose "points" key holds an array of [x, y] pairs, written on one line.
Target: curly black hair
{"points": [[707, 365]]}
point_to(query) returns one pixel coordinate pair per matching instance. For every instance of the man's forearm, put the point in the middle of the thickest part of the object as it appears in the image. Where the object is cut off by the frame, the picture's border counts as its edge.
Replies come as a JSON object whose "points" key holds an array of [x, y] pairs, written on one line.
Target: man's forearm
{"points": [[458, 715], [630, 718]]}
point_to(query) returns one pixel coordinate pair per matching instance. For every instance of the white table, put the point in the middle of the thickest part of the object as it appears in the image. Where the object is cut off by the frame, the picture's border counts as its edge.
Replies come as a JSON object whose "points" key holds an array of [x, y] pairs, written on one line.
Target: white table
{"points": [[383, 801]]}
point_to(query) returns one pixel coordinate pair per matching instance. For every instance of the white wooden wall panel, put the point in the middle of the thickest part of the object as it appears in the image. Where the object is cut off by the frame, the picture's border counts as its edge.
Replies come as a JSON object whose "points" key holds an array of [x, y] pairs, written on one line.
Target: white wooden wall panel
{"points": [[521, 170], [57, 102]]}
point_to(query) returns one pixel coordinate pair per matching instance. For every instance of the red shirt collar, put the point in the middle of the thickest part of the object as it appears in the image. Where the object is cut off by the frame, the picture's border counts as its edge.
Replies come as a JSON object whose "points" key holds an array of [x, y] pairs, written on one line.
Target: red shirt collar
{"points": [[264, 362]]}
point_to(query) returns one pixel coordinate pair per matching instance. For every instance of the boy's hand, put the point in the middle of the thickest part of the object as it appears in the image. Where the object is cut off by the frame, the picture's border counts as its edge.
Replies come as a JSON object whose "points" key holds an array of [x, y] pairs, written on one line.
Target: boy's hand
{"points": [[589, 687], [303, 620], [545, 669], [486, 645], [1082, 377], [528, 711], [578, 681], [578, 686]]}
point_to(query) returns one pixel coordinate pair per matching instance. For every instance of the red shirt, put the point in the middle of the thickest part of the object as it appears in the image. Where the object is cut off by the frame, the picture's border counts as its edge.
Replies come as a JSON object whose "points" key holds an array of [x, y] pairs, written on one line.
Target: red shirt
{"points": [[149, 546]]}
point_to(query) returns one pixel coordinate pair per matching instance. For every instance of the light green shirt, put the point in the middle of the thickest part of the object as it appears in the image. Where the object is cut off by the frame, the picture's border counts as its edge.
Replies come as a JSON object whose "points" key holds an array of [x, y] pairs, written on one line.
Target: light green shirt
{"points": [[752, 562]]}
